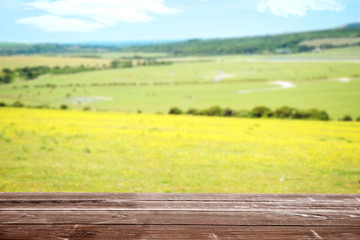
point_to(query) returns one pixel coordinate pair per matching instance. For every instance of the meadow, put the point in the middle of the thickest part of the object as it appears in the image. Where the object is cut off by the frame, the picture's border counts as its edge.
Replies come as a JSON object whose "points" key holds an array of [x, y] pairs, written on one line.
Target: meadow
{"points": [[239, 82], [13, 62], [331, 41], [68, 151]]}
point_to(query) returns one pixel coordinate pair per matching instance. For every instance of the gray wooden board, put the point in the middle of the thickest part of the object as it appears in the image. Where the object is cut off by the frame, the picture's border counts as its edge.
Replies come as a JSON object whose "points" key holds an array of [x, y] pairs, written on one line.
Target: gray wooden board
{"points": [[178, 216]]}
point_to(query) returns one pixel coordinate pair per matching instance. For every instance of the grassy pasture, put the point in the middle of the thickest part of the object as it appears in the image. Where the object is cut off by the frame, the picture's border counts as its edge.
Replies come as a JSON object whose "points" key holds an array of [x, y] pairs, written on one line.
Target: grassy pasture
{"points": [[67, 151], [33, 61], [332, 41], [335, 54], [207, 71], [190, 84], [117, 55], [335, 97]]}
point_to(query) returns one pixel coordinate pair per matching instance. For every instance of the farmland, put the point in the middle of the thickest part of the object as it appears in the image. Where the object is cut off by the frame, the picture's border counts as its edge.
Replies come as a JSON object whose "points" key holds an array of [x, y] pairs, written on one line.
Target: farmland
{"points": [[332, 41], [112, 149], [33, 61], [239, 82], [53, 150]]}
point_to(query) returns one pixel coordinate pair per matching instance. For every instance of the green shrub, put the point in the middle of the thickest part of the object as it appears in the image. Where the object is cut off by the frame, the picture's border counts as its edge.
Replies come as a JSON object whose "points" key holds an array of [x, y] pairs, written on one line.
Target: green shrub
{"points": [[18, 104], [193, 111], [297, 114], [2, 104], [258, 112], [42, 106], [6, 79], [310, 113], [175, 111], [358, 119], [229, 112], [315, 114], [6, 71], [87, 108], [64, 107], [213, 111], [201, 112], [347, 118], [261, 111], [120, 64], [323, 116], [244, 114], [285, 112]]}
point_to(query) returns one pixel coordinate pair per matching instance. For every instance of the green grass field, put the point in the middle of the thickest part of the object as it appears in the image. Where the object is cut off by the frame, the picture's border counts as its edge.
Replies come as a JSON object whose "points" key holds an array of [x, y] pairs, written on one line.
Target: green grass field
{"points": [[190, 85], [77, 151], [332, 41], [69, 151], [336, 97], [117, 55], [334, 55], [33, 61]]}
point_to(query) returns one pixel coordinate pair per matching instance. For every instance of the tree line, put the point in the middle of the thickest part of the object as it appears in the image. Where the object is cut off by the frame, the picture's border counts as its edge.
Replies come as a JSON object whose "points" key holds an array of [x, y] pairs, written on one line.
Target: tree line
{"points": [[284, 112], [30, 73], [48, 48], [247, 45], [270, 44]]}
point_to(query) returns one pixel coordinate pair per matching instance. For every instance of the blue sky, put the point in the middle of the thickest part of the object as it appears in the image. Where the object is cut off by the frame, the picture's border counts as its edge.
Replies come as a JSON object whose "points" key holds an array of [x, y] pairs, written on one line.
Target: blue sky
{"points": [[125, 20]]}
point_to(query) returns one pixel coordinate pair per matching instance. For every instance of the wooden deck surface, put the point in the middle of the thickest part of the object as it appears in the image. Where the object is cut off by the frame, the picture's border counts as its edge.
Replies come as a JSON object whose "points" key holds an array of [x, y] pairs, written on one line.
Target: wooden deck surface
{"points": [[63, 216]]}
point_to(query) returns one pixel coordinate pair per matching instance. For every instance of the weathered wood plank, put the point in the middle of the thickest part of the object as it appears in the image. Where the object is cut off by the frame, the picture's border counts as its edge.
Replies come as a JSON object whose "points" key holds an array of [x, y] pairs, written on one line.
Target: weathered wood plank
{"points": [[184, 197], [89, 205], [174, 216], [80, 232], [249, 218]]}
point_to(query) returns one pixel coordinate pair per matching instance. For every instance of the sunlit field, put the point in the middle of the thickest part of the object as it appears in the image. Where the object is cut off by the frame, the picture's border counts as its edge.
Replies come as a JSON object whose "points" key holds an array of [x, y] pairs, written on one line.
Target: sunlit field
{"points": [[73, 151], [13, 62], [225, 81]]}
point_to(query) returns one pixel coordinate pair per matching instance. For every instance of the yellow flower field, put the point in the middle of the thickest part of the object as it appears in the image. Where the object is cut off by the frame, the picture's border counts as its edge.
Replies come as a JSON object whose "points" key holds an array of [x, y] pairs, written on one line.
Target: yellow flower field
{"points": [[69, 151]]}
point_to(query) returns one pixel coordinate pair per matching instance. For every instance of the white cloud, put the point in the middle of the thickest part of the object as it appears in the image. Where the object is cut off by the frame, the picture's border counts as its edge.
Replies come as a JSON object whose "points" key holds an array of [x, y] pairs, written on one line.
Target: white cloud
{"points": [[52, 23], [286, 8], [98, 13]]}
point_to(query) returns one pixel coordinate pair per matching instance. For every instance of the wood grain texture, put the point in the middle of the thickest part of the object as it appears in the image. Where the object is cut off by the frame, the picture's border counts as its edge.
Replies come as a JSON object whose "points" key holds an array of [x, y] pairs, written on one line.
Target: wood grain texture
{"points": [[82, 232], [178, 216]]}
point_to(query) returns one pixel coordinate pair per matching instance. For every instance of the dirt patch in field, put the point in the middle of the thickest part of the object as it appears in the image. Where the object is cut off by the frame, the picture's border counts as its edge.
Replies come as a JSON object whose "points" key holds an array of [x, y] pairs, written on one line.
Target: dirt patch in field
{"points": [[281, 84], [222, 75], [344, 80], [80, 100]]}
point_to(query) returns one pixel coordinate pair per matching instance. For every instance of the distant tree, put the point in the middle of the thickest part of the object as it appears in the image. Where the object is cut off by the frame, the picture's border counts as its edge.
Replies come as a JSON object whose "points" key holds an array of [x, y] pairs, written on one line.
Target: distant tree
{"points": [[323, 116], [228, 112], [347, 118], [284, 112], [18, 104], [193, 111], [6, 71], [6, 79], [244, 114], [175, 111], [64, 107], [120, 64], [214, 111], [262, 111]]}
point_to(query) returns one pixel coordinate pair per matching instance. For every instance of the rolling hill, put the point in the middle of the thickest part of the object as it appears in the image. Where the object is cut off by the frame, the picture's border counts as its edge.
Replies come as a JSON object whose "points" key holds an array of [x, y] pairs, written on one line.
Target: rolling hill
{"points": [[282, 43], [268, 44]]}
